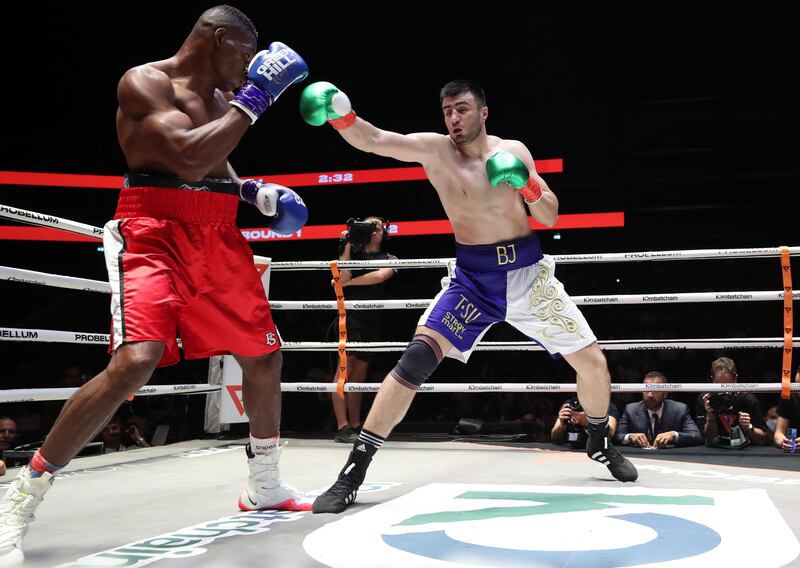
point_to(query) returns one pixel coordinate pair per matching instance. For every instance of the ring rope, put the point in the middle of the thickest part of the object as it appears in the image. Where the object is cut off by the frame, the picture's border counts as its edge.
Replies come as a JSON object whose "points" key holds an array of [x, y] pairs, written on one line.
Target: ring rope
{"points": [[545, 387], [622, 299], [607, 345], [363, 264], [696, 254], [35, 218], [43, 278], [56, 336], [39, 395]]}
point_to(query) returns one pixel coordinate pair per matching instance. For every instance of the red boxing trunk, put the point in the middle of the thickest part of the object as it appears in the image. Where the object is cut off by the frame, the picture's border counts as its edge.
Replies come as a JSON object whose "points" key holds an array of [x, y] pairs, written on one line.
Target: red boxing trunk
{"points": [[179, 266]]}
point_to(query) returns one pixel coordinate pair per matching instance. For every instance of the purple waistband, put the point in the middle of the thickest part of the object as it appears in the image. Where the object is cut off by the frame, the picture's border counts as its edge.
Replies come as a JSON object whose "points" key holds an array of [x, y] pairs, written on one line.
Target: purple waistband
{"points": [[503, 256]]}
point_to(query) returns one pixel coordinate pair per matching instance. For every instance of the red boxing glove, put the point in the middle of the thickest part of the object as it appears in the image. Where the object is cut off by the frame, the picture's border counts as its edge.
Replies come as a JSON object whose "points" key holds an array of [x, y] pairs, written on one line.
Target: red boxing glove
{"points": [[344, 122], [531, 192]]}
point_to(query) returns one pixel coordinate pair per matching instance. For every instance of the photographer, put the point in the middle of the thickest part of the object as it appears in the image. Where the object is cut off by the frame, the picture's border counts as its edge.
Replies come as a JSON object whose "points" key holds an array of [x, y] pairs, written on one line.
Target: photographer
{"points": [[570, 427], [730, 420], [363, 240]]}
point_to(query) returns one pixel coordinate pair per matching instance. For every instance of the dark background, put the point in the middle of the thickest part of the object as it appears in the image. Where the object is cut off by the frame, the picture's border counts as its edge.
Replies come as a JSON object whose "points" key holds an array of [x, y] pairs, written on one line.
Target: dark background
{"points": [[685, 119]]}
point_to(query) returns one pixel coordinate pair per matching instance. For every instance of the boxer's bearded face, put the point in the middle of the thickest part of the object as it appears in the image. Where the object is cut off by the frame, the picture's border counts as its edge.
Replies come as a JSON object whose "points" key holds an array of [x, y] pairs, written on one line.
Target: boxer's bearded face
{"points": [[463, 117]]}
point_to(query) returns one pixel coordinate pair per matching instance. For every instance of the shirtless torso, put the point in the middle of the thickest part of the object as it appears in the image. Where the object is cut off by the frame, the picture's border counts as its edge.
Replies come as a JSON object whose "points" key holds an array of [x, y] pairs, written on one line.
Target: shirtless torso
{"points": [[456, 167], [169, 121], [479, 213]]}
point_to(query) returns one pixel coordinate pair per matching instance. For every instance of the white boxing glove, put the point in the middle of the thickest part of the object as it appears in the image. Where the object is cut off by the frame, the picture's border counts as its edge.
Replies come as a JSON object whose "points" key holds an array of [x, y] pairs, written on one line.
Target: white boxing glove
{"points": [[263, 195], [283, 206]]}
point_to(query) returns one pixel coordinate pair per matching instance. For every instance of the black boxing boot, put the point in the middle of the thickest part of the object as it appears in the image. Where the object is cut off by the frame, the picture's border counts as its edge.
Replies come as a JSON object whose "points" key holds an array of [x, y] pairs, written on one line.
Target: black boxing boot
{"points": [[343, 492], [600, 449]]}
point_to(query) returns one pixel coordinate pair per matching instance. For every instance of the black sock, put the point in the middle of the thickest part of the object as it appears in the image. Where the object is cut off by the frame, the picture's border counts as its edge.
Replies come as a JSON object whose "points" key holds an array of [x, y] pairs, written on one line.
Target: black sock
{"points": [[364, 449], [368, 443], [598, 427]]}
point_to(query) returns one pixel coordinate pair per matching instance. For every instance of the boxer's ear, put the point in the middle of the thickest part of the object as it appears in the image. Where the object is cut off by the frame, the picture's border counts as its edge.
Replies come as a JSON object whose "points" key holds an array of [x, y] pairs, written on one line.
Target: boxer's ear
{"points": [[219, 35]]}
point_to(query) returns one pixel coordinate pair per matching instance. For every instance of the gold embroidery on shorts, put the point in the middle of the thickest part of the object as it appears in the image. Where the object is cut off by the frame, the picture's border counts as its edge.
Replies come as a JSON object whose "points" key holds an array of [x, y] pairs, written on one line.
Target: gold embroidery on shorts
{"points": [[547, 306]]}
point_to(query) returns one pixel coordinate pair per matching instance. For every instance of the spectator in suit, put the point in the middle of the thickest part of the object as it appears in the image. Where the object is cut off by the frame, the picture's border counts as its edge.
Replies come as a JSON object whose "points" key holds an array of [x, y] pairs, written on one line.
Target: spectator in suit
{"points": [[656, 421]]}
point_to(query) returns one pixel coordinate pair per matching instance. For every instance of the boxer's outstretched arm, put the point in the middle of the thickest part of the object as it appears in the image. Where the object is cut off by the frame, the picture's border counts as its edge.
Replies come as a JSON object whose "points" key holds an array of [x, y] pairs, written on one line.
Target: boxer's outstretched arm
{"points": [[416, 147], [147, 99], [322, 101]]}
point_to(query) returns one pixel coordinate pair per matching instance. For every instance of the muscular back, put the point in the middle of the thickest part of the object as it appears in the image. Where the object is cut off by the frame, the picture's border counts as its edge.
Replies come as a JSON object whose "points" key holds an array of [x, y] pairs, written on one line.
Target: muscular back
{"points": [[157, 118], [479, 213]]}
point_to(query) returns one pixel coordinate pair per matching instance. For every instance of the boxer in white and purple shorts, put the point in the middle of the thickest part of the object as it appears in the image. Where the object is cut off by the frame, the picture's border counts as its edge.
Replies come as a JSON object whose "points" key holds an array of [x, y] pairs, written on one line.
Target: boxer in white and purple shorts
{"points": [[509, 281], [490, 191]]}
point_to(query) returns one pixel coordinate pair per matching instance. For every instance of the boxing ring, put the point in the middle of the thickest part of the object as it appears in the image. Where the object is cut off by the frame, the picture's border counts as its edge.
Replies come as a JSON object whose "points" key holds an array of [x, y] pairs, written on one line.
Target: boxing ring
{"points": [[447, 503]]}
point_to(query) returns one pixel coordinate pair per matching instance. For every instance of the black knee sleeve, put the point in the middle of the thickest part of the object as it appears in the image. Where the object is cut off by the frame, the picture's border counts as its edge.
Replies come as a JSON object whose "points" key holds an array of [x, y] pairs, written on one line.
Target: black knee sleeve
{"points": [[418, 361]]}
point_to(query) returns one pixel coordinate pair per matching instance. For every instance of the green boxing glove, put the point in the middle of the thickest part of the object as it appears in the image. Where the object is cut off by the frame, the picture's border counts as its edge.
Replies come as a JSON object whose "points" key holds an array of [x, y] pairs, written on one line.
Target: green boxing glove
{"points": [[505, 167], [322, 102]]}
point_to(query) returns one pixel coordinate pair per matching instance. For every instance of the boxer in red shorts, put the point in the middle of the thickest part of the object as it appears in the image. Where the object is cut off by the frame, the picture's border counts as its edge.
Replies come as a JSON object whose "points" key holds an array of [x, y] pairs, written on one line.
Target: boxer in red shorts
{"points": [[178, 264]]}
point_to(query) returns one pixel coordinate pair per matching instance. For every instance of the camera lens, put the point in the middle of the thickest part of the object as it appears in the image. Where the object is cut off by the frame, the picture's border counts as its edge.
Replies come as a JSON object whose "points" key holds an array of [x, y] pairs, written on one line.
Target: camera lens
{"points": [[721, 402], [360, 232]]}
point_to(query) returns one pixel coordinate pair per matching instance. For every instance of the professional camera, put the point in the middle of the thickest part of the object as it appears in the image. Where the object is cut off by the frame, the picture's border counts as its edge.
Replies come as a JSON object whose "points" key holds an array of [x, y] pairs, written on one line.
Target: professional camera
{"points": [[730, 435], [360, 232], [721, 402], [576, 435]]}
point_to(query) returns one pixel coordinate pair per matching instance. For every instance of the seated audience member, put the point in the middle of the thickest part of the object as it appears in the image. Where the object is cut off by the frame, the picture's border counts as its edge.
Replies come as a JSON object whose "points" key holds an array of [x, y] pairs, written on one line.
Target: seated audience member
{"points": [[117, 438], [730, 419], [771, 418], [656, 421], [8, 433], [571, 426], [541, 413], [8, 437], [788, 412]]}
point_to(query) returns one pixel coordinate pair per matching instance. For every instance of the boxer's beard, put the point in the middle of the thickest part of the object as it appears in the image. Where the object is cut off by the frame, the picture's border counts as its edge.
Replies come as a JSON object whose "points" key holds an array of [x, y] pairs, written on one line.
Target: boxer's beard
{"points": [[468, 135]]}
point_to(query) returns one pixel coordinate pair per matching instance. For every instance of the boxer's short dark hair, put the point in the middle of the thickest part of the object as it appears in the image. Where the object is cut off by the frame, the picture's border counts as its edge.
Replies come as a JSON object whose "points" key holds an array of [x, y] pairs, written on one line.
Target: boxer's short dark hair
{"points": [[459, 86], [224, 16]]}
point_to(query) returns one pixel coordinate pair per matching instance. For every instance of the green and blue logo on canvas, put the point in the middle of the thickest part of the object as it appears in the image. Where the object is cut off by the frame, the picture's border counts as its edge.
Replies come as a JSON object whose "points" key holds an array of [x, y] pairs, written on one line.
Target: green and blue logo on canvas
{"points": [[465, 525]]}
